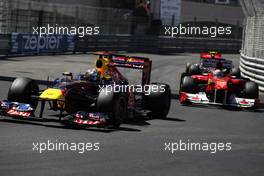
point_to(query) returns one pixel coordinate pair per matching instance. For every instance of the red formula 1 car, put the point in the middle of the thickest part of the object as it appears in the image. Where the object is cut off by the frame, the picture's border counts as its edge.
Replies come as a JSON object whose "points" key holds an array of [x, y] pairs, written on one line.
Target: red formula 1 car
{"points": [[100, 97], [210, 61], [219, 88]]}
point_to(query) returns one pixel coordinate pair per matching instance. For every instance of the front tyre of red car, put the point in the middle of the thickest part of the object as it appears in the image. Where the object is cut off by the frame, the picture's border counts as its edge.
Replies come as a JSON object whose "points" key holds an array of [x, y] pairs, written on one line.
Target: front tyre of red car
{"points": [[251, 90], [188, 85], [181, 80]]}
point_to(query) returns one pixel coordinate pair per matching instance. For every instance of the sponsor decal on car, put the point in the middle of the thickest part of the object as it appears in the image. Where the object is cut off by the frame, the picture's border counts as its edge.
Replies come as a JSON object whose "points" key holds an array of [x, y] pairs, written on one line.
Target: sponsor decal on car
{"points": [[18, 113]]}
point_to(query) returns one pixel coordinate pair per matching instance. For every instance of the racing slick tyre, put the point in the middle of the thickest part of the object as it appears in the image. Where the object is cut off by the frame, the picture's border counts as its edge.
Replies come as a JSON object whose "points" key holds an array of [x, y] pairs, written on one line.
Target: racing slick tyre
{"points": [[188, 85], [158, 102], [22, 90], [236, 72], [71, 104], [194, 69], [115, 104], [182, 76], [251, 90], [187, 67]]}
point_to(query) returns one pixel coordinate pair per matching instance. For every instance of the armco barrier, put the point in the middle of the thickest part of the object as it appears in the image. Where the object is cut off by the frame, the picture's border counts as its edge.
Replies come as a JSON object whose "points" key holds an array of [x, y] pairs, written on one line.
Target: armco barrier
{"points": [[4, 44], [27, 44], [155, 44], [253, 68], [199, 44]]}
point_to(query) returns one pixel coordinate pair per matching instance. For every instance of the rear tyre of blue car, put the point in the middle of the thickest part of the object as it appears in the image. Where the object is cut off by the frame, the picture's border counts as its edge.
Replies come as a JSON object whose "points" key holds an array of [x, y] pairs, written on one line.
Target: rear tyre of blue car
{"points": [[158, 102]]}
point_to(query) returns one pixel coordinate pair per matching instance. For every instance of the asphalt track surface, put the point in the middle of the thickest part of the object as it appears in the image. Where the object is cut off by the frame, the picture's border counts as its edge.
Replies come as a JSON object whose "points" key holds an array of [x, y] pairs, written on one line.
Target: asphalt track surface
{"points": [[138, 148]]}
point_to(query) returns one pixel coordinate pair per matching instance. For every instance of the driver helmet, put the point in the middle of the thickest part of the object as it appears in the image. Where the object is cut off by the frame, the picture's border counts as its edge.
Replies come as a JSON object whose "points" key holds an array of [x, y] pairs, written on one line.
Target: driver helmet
{"points": [[218, 73], [92, 75], [68, 75]]}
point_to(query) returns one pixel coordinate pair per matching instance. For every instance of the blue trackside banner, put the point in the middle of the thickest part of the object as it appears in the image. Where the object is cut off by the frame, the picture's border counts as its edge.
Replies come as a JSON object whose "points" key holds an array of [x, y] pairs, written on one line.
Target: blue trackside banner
{"points": [[34, 44]]}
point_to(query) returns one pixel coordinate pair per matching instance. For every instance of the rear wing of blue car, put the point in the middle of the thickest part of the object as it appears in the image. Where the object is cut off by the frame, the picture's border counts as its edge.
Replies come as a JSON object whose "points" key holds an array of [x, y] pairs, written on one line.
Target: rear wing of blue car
{"points": [[134, 62]]}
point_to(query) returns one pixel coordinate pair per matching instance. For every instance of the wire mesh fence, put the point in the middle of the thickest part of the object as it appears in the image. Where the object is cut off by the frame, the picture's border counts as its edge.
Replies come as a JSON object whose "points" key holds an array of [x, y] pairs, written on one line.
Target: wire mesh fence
{"points": [[253, 44], [252, 54], [253, 36], [21, 16]]}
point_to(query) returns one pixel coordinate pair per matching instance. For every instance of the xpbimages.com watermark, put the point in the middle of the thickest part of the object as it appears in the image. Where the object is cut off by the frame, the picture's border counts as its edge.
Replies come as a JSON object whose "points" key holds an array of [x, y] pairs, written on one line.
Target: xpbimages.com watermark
{"points": [[50, 146], [146, 89], [187, 145], [80, 31], [183, 30]]}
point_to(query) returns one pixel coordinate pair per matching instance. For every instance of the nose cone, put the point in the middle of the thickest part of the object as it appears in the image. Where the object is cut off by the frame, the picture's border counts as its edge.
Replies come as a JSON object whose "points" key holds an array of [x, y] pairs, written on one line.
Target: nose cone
{"points": [[52, 94], [220, 84]]}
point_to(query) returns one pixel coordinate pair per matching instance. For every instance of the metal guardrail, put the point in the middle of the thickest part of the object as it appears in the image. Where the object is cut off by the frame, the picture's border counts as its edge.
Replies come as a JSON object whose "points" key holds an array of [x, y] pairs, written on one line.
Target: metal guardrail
{"points": [[253, 68], [13, 45], [199, 44], [156, 44]]}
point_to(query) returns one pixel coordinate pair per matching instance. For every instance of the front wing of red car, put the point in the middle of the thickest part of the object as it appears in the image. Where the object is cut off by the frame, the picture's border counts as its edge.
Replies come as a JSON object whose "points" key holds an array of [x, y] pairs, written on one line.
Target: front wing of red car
{"points": [[201, 98]]}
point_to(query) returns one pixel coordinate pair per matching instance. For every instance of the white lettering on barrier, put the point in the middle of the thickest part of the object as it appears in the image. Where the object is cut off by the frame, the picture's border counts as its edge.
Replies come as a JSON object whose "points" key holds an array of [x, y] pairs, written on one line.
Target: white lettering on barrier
{"points": [[45, 42]]}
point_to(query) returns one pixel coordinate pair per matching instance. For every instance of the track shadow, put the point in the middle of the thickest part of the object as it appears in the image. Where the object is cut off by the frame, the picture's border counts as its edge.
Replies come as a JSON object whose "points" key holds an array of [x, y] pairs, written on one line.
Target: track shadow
{"points": [[128, 129], [203, 106], [11, 79], [138, 121], [31, 122], [42, 122], [173, 119], [143, 121], [7, 59], [7, 78], [175, 96], [226, 108]]}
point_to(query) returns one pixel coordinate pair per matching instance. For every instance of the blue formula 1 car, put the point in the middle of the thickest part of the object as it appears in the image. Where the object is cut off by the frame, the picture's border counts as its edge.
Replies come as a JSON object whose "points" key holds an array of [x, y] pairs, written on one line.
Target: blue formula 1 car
{"points": [[89, 99]]}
